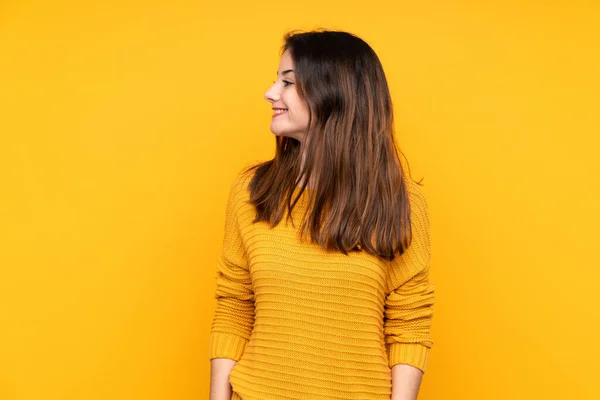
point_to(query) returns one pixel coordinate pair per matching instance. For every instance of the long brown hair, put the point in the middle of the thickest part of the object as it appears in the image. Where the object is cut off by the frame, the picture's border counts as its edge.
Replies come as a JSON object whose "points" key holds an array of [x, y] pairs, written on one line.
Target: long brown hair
{"points": [[359, 200]]}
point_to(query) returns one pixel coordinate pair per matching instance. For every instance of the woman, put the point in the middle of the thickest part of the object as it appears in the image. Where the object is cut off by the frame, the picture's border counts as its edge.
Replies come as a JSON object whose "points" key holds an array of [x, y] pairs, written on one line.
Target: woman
{"points": [[334, 300]]}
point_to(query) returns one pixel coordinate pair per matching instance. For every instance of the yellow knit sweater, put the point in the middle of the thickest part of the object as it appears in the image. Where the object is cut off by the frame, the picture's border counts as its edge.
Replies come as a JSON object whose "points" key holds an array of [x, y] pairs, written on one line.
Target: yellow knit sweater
{"points": [[303, 323]]}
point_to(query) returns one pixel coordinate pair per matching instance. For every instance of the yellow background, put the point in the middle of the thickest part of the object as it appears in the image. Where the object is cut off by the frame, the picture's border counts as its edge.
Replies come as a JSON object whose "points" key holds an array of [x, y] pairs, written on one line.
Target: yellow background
{"points": [[123, 124]]}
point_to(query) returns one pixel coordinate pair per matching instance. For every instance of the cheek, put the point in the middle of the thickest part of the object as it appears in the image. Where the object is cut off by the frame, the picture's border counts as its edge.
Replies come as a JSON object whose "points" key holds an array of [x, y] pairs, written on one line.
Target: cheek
{"points": [[303, 111], [290, 98], [297, 106]]}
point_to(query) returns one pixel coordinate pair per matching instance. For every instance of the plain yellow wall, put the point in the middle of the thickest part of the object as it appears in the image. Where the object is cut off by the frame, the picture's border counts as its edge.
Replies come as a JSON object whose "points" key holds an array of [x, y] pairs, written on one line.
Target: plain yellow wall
{"points": [[123, 124]]}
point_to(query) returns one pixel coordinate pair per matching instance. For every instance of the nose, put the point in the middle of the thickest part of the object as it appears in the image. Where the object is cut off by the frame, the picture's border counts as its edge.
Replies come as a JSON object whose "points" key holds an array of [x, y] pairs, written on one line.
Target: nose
{"points": [[272, 95]]}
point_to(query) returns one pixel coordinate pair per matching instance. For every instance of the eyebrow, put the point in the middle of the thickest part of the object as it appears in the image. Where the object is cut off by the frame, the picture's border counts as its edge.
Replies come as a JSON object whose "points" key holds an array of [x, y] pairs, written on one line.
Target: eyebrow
{"points": [[286, 71]]}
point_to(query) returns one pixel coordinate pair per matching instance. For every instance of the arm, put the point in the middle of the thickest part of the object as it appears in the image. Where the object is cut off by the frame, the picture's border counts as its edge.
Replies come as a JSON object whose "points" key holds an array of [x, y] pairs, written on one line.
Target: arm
{"points": [[220, 368], [234, 315], [406, 381], [409, 305]]}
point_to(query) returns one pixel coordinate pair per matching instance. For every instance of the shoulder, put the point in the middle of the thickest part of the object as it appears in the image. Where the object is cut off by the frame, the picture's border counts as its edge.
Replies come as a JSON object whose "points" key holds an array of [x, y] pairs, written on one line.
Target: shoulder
{"points": [[240, 181], [239, 192], [419, 216], [417, 197]]}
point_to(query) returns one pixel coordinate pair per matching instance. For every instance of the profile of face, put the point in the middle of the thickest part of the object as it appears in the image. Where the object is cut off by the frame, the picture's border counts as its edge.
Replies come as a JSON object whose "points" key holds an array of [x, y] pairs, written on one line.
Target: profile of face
{"points": [[290, 112]]}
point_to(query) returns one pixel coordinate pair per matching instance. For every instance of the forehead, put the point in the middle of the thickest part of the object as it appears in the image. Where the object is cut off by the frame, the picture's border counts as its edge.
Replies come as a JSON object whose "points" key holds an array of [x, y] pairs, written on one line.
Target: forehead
{"points": [[286, 62]]}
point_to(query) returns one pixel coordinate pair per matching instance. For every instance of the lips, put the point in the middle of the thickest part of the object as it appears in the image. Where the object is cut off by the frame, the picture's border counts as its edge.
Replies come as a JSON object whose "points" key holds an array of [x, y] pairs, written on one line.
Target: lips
{"points": [[279, 111]]}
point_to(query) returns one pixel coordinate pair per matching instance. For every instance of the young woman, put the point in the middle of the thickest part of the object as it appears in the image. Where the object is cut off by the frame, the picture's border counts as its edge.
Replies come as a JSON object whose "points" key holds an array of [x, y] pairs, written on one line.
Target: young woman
{"points": [[323, 285]]}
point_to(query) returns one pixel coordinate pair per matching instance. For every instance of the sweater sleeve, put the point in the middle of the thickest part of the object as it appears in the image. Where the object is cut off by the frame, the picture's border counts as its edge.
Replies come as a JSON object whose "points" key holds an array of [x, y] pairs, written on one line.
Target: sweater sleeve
{"points": [[234, 315], [410, 300]]}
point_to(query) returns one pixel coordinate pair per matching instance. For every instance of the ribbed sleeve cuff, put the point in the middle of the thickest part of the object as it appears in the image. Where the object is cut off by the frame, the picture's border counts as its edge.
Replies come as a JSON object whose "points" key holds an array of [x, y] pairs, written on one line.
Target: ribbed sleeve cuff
{"points": [[408, 353], [226, 345]]}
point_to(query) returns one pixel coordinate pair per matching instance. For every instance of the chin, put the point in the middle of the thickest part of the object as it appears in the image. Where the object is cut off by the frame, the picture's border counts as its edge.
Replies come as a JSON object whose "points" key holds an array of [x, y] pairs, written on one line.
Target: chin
{"points": [[282, 134]]}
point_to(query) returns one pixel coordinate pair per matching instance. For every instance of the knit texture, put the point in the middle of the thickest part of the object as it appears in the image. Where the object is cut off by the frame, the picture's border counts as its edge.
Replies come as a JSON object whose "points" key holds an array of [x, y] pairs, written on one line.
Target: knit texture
{"points": [[305, 323]]}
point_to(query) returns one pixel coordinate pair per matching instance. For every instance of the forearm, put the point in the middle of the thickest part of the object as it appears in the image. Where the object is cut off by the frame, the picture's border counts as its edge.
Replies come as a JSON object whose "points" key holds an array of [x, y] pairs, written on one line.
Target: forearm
{"points": [[220, 388], [406, 381]]}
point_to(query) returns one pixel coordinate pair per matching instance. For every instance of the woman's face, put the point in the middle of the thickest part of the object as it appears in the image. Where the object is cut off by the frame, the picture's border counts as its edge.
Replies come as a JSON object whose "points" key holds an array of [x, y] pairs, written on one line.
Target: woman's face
{"points": [[290, 113]]}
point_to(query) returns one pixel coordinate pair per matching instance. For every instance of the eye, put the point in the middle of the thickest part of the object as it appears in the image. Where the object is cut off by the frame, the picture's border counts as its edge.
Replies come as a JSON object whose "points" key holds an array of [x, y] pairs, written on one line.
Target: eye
{"points": [[285, 83]]}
